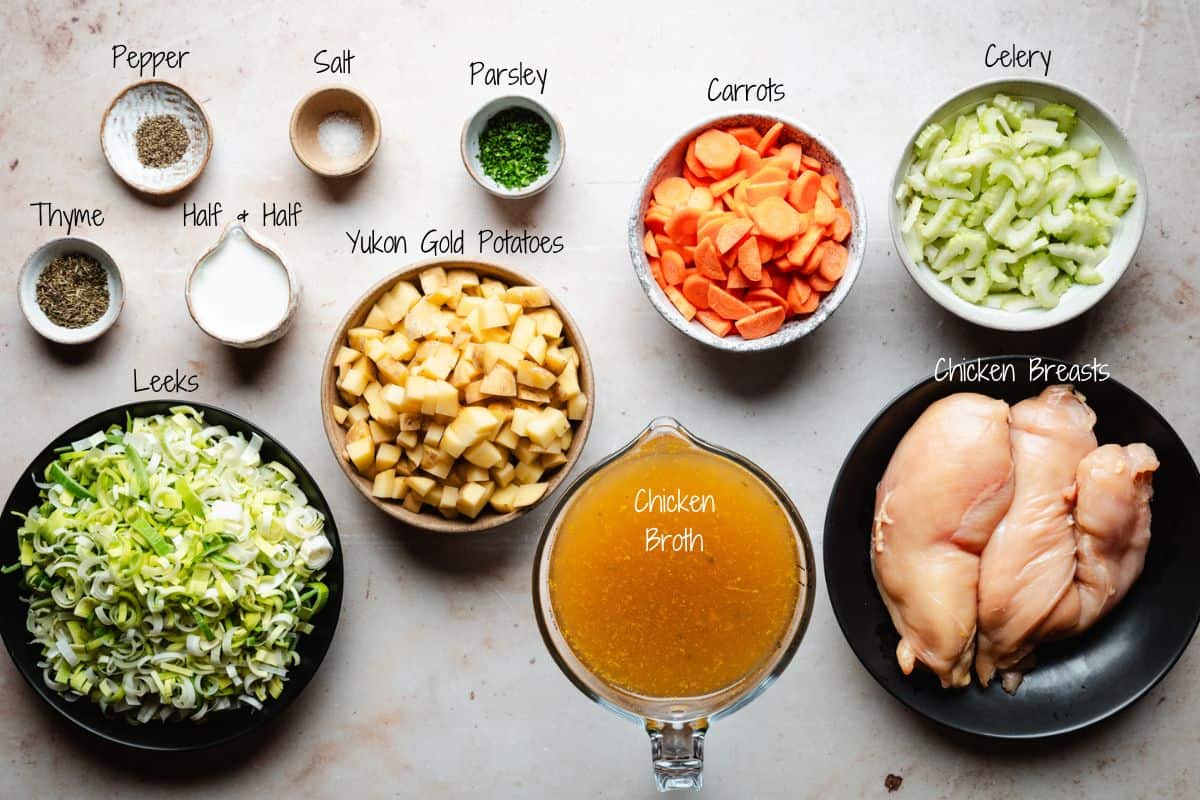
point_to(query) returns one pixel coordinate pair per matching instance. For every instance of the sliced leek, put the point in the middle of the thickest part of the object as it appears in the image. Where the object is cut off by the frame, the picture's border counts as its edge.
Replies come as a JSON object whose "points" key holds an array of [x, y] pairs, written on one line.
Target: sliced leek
{"points": [[171, 573]]}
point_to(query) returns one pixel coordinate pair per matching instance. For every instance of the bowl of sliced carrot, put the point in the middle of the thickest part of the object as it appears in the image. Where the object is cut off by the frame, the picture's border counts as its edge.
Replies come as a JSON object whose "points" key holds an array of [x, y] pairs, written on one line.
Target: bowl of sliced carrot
{"points": [[747, 233]]}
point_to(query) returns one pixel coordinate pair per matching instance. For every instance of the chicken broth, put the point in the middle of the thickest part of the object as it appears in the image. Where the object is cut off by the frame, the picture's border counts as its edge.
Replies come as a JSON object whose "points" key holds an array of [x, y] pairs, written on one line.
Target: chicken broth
{"points": [[674, 572]]}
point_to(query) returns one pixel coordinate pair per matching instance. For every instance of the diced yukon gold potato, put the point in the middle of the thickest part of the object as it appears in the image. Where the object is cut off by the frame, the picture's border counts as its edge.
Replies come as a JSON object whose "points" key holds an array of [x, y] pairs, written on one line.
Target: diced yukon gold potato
{"points": [[377, 319], [485, 454], [459, 394], [386, 457], [531, 374], [577, 407], [472, 497], [500, 382], [358, 337], [345, 355], [527, 296], [384, 485], [432, 279]]}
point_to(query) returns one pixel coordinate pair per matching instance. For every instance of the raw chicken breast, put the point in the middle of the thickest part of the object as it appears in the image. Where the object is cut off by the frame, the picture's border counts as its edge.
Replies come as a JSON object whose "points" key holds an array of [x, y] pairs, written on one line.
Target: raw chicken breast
{"points": [[945, 489], [1112, 520], [1027, 570]]}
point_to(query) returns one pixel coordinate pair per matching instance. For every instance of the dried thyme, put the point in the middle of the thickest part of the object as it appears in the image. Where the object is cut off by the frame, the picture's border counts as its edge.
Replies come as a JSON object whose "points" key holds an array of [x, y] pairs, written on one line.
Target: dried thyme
{"points": [[161, 141], [73, 290], [513, 147]]}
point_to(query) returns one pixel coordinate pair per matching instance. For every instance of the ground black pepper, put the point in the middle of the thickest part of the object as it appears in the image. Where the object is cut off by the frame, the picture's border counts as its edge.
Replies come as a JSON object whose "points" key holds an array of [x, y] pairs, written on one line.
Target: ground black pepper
{"points": [[73, 290], [161, 141]]}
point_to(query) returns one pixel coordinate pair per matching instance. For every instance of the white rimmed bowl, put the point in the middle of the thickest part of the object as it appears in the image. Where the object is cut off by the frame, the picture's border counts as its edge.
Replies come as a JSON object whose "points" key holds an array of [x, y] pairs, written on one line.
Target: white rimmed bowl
{"points": [[670, 162], [473, 128], [27, 290], [1117, 154], [279, 328], [118, 136]]}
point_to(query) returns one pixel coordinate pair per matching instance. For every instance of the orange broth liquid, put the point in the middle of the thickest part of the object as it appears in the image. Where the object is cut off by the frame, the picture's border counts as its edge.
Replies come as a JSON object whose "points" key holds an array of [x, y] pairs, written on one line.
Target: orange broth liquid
{"points": [[662, 623]]}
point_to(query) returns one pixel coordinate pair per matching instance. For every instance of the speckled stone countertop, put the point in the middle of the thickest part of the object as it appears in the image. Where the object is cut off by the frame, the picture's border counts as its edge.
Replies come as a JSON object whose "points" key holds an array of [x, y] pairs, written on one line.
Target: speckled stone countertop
{"points": [[438, 684]]}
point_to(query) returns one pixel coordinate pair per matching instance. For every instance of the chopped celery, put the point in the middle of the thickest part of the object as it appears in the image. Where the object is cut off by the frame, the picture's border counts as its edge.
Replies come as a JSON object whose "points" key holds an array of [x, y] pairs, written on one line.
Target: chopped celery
{"points": [[1007, 204]]}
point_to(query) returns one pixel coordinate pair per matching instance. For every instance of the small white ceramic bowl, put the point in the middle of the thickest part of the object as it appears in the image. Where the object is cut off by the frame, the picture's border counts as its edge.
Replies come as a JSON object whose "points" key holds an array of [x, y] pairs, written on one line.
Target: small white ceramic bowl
{"points": [[1117, 155], [27, 290], [280, 328], [469, 146], [118, 139], [670, 162]]}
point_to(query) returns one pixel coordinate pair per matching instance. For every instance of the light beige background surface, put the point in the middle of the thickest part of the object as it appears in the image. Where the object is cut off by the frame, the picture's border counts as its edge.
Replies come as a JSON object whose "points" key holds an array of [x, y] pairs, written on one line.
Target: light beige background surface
{"points": [[438, 684]]}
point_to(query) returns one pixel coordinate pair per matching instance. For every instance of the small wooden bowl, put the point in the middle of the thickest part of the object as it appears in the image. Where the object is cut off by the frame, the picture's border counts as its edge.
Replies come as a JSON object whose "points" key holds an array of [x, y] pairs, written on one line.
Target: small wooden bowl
{"points": [[429, 520], [118, 130], [314, 108]]}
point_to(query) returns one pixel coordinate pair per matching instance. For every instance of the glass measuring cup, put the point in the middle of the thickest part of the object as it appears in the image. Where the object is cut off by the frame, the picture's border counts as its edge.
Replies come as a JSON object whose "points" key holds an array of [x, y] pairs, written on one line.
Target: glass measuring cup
{"points": [[676, 724]]}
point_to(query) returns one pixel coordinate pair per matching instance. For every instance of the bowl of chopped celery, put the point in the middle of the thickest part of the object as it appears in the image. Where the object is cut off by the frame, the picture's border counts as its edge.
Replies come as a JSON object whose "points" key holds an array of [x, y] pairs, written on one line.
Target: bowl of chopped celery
{"points": [[1018, 204], [171, 577]]}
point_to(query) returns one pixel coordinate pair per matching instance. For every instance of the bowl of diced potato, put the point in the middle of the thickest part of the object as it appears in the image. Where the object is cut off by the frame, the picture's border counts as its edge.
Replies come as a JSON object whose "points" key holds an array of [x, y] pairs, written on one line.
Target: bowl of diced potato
{"points": [[457, 395]]}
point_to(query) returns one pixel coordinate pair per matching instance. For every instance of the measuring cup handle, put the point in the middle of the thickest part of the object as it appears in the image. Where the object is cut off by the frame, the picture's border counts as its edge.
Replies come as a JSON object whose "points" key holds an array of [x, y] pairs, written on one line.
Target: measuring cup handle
{"points": [[677, 752]]}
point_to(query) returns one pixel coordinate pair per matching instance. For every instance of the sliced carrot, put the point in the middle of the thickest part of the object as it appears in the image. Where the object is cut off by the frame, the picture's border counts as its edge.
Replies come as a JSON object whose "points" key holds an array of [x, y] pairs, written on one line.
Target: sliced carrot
{"points": [[749, 160], [766, 250], [731, 233], [720, 173], [770, 295], [708, 261], [760, 305], [783, 264], [761, 323], [805, 221], [686, 308], [738, 280], [797, 295], [829, 185], [769, 138], [694, 179], [656, 271], [700, 198], [813, 262], [673, 267], [672, 191], [793, 153], [717, 150], [714, 322], [804, 191], [769, 173], [746, 135], [780, 282], [649, 245], [720, 187], [823, 210], [840, 228], [811, 163], [710, 228], [726, 304], [690, 160], [804, 246], [809, 305], [819, 284], [758, 192], [775, 219], [695, 289], [833, 262], [748, 260], [656, 218], [681, 227]]}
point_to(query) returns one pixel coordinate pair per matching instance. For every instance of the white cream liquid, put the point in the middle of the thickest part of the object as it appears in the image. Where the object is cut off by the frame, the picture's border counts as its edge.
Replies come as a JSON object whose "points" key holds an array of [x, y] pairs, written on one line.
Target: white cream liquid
{"points": [[239, 292]]}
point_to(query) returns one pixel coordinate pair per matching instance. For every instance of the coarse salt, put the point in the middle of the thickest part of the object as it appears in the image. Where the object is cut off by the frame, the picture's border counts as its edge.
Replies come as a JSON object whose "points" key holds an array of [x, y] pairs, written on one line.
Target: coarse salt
{"points": [[340, 135]]}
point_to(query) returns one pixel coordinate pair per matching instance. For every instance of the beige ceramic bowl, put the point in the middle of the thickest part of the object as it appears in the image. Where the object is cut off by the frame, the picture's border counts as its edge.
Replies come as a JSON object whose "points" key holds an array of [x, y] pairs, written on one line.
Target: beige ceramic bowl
{"points": [[119, 127], [429, 520], [277, 330], [306, 121]]}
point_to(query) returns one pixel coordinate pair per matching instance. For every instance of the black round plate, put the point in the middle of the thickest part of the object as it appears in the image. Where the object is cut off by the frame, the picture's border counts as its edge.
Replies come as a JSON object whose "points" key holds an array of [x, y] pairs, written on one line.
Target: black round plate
{"points": [[1078, 681], [177, 735]]}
